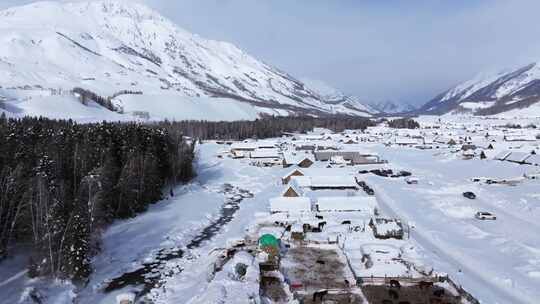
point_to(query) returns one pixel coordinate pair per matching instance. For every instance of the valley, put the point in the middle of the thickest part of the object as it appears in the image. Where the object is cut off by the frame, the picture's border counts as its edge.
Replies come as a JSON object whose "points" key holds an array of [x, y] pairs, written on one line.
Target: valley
{"points": [[493, 261], [142, 163]]}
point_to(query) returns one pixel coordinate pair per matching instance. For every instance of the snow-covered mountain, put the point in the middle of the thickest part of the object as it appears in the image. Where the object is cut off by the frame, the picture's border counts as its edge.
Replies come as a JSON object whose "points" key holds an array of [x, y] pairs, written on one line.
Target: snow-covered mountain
{"points": [[515, 90], [336, 97], [112, 47], [391, 107]]}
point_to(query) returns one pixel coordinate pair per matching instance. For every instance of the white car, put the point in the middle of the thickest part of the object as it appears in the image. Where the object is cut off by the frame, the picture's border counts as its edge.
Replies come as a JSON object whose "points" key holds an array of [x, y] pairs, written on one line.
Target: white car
{"points": [[482, 215], [411, 181]]}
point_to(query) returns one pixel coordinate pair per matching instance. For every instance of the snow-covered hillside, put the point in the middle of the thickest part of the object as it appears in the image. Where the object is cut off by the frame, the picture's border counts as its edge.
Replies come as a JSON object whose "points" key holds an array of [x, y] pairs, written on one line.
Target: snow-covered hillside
{"points": [[112, 46], [514, 90], [391, 107]]}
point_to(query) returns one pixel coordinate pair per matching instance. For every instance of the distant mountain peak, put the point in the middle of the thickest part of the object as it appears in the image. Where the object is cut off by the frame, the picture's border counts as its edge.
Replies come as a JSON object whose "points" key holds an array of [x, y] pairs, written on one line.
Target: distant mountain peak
{"points": [[335, 96], [392, 107]]}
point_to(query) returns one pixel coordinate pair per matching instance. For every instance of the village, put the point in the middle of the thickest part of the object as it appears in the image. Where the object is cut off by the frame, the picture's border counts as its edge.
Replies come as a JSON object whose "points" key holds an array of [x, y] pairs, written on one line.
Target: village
{"points": [[334, 232], [442, 213]]}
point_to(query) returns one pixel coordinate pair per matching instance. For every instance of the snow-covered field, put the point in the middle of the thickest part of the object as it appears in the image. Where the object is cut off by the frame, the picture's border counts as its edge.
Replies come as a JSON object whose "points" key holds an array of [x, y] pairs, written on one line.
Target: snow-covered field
{"points": [[496, 261]]}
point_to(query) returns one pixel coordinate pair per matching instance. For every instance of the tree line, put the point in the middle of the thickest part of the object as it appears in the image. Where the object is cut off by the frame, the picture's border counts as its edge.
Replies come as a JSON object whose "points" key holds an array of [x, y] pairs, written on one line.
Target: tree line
{"points": [[86, 95], [403, 123], [266, 127], [61, 183]]}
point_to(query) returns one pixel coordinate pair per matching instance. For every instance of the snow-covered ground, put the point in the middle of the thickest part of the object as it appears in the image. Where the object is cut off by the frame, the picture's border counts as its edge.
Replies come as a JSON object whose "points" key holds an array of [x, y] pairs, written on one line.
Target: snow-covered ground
{"points": [[496, 261], [212, 109]]}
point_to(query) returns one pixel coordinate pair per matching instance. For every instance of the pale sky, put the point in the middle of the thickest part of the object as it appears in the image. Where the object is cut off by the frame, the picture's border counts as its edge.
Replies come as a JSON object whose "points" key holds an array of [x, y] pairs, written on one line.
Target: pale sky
{"points": [[402, 50]]}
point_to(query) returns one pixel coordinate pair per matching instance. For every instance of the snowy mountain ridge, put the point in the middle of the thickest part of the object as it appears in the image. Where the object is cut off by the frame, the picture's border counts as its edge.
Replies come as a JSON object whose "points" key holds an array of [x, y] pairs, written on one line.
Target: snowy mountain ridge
{"points": [[514, 90], [110, 46], [391, 107], [334, 96]]}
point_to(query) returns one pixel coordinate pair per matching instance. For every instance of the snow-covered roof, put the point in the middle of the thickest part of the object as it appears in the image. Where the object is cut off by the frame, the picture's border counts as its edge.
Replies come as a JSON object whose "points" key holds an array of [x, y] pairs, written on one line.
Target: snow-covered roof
{"points": [[335, 181], [293, 184], [387, 227], [302, 181], [293, 158], [312, 137], [290, 204], [502, 155], [347, 203], [338, 159], [292, 172], [520, 138], [265, 153], [266, 144], [428, 140], [405, 141], [518, 157], [534, 159], [244, 146]]}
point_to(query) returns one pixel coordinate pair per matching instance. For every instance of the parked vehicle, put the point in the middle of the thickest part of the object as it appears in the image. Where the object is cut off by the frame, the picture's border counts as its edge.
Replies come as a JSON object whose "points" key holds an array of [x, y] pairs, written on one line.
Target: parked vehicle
{"points": [[483, 215], [411, 181], [469, 195]]}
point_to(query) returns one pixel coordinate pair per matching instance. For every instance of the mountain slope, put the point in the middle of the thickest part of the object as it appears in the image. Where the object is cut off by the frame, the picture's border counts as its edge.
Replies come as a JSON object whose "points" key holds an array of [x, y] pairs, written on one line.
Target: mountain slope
{"points": [[505, 91], [109, 47]]}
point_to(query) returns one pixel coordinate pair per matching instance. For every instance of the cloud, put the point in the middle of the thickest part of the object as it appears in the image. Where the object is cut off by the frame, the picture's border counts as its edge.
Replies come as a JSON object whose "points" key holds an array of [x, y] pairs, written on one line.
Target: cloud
{"points": [[406, 50]]}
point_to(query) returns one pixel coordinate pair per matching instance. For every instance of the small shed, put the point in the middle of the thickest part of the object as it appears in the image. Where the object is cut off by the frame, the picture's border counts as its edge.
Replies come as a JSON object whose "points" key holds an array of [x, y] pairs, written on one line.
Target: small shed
{"points": [[387, 228]]}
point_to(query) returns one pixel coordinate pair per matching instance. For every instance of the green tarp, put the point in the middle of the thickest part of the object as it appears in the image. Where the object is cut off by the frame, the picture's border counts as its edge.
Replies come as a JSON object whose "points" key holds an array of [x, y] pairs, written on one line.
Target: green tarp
{"points": [[268, 240]]}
